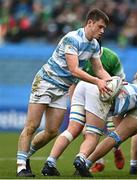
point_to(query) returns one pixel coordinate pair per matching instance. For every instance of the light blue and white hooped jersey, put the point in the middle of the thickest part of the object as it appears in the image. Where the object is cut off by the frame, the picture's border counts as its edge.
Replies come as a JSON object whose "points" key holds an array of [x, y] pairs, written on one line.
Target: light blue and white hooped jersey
{"points": [[56, 69], [126, 100]]}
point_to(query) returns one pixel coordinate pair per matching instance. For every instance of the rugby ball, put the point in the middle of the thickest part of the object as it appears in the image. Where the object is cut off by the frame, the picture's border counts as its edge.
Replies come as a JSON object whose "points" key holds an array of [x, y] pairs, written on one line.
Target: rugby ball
{"points": [[115, 85]]}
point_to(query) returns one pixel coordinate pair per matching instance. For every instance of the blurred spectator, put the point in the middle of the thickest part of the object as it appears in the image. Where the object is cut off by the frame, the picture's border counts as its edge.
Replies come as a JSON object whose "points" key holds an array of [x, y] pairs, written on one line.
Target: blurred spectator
{"points": [[128, 35], [21, 19], [5, 18]]}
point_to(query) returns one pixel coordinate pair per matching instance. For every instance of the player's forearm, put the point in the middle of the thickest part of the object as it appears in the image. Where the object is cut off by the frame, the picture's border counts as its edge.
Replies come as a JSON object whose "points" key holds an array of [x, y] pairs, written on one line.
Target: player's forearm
{"points": [[84, 76], [102, 74]]}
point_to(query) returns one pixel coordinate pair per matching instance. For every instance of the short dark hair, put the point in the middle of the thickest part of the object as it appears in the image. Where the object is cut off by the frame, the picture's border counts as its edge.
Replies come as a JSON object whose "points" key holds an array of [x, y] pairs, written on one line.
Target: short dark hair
{"points": [[96, 15]]}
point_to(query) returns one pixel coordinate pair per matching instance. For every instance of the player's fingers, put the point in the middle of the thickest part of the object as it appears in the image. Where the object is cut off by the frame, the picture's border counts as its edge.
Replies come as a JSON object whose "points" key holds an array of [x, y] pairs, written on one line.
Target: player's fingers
{"points": [[108, 80], [107, 89]]}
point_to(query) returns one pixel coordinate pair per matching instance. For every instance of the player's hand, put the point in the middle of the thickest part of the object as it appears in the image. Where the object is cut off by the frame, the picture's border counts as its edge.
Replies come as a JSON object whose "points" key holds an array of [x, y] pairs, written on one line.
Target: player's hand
{"points": [[102, 86]]}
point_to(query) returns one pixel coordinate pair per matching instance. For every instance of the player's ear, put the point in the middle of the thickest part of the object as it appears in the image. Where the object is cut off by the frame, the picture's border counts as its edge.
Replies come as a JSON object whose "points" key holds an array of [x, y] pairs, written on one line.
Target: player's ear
{"points": [[90, 22]]}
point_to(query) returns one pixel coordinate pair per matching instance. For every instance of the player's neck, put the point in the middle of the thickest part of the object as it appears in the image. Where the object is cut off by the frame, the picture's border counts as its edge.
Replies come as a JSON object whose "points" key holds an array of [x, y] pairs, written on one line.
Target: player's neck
{"points": [[88, 34]]}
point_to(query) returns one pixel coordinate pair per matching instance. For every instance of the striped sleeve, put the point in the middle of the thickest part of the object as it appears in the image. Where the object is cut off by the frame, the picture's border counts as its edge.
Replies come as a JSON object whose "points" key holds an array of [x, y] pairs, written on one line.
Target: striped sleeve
{"points": [[71, 45], [96, 54]]}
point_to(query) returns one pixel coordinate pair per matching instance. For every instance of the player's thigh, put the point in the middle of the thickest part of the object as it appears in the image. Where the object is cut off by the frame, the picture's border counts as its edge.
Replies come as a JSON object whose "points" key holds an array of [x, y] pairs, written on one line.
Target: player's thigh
{"points": [[94, 120], [35, 113], [94, 126], [127, 127], [54, 118], [55, 112]]}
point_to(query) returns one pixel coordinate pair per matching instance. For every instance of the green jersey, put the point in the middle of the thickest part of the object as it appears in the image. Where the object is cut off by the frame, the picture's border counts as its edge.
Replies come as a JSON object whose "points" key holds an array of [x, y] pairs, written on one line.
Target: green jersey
{"points": [[110, 62]]}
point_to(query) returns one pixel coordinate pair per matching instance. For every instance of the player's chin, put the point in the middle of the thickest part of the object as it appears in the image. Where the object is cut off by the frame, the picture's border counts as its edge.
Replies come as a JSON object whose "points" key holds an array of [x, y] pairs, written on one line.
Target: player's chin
{"points": [[99, 36]]}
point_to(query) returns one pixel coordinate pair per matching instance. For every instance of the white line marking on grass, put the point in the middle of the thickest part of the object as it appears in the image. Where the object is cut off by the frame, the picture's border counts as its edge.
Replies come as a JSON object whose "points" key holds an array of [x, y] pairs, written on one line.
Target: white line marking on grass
{"points": [[13, 158], [32, 158]]}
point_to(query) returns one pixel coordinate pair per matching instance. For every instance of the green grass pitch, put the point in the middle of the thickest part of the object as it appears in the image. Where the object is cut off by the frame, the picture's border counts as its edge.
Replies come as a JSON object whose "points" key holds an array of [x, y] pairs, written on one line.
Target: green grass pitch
{"points": [[8, 148]]}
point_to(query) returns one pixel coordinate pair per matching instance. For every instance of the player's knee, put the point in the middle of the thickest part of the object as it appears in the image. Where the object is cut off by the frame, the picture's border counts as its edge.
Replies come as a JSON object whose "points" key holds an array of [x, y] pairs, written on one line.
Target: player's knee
{"points": [[30, 129], [67, 135], [116, 137], [51, 132], [93, 129]]}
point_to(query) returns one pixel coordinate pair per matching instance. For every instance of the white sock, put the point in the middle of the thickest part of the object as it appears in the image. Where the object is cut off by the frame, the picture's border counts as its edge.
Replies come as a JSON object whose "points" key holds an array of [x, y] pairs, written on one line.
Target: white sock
{"points": [[81, 155], [20, 167], [52, 160], [133, 163], [21, 160]]}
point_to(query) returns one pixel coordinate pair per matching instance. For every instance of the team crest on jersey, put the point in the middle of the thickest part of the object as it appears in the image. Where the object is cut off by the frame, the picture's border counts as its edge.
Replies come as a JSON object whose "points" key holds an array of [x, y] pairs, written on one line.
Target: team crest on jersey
{"points": [[68, 47]]}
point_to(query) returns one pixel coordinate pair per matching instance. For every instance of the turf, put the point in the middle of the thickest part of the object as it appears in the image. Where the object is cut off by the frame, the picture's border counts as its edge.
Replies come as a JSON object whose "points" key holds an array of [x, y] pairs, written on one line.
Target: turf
{"points": [[8, 147]]}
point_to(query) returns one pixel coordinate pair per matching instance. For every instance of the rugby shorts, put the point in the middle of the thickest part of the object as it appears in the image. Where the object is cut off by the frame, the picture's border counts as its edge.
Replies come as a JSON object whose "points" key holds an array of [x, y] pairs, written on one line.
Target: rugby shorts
{"points": [[87, 95], [44, 92]]}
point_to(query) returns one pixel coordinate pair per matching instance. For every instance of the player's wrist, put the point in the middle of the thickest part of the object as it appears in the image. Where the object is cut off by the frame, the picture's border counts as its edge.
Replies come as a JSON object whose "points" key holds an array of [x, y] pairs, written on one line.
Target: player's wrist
{"points": [[96, 80]]}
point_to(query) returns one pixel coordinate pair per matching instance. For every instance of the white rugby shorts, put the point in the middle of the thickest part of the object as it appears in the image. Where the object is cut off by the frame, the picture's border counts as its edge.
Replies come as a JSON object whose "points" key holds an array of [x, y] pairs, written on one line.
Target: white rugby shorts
{"points": [[44, 92], [87, 95]]}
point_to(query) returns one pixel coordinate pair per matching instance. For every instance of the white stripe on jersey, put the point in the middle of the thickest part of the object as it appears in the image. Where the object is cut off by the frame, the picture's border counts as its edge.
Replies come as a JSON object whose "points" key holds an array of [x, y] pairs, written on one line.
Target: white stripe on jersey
{"points": [[126, 100], [76, 43]]}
